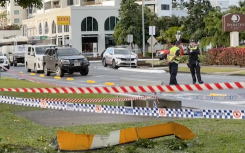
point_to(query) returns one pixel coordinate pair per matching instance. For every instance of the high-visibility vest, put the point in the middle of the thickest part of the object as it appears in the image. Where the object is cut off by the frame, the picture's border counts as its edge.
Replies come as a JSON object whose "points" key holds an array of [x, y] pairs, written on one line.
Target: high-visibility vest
{"points": [[172, 53], [193, 48]]}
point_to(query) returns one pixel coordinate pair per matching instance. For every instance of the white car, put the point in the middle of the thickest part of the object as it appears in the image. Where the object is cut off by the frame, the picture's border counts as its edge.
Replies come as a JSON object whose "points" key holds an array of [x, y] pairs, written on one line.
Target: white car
{"points": [[118, 57], [4, 62], [34, 57]]}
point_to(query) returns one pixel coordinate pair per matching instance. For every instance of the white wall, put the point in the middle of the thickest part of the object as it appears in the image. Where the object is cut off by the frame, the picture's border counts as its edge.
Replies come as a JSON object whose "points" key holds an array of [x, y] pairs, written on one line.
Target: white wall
{"points": [[7, 33], [179, 12], [164, 12], [11, 16], [100, 14], [49, 18]]}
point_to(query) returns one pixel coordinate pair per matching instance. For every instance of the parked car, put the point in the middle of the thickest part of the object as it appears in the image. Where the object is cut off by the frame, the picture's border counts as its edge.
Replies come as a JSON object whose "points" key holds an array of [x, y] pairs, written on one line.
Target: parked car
{"points": [[61, 60], [34, 57], [118, 57], [162, 54], [4, 62]]}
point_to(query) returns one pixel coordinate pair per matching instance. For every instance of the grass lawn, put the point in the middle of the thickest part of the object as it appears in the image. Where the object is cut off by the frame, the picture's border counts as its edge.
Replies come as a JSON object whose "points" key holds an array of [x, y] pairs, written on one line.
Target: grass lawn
{"points": [[207, 69], [14, 83], [20, 135], [213, 135]]}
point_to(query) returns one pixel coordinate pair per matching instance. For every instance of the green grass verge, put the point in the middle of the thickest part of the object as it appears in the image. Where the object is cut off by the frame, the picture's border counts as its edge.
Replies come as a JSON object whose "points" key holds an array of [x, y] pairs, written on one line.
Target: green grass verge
{"points": [[207, 69], [14, 83], [213, 135], [24, 136]]}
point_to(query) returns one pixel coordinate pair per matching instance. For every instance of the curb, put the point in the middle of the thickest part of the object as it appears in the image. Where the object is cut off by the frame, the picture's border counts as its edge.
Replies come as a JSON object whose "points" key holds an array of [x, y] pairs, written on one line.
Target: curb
{"points": [[141, 70]]}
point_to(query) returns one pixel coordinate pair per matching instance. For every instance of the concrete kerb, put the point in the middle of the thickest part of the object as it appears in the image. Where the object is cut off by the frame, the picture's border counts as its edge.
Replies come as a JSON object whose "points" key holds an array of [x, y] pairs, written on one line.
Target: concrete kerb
{"points": [[141, 70]]}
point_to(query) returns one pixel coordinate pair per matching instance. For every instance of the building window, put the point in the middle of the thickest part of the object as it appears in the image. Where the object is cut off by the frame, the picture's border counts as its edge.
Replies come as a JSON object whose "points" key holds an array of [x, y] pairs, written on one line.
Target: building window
{"points": [[16, 4], [16, 20], [40, 29], [16, 12], [53, 28], [110, 23], [59, 28], [46, 28], [164, 7], [66, 28], [89, 24], [70, 2]]}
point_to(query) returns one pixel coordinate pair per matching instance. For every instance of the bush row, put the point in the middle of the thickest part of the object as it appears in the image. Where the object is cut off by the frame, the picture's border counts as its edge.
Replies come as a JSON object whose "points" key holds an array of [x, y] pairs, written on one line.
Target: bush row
{"points": [[226, 56], [185, 58]]}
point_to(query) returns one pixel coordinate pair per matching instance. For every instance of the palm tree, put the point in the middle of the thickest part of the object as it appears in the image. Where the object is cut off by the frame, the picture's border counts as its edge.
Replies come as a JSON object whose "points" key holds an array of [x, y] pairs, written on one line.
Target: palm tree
{"points": [[3, 16]]}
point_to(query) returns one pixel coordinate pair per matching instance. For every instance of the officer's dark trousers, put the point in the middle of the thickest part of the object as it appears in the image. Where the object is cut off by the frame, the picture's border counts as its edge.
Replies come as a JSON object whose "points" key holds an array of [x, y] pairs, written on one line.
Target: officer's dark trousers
{"points": [[173, 70], [195, 72]]}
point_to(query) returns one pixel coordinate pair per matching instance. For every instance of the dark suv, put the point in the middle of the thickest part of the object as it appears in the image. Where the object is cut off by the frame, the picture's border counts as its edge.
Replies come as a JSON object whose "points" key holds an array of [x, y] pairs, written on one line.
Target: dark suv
{"points": [[61, 60]]}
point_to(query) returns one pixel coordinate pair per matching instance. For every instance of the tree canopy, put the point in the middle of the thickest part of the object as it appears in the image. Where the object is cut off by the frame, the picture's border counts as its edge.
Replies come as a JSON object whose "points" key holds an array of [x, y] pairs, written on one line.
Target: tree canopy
{"points": [[24, 3], [130, 22], [197, 11]]}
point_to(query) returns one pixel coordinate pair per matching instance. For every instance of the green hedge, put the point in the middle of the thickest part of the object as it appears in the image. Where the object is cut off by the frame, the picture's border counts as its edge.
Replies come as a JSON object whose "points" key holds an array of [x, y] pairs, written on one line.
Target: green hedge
{"points": [[185, 58]]}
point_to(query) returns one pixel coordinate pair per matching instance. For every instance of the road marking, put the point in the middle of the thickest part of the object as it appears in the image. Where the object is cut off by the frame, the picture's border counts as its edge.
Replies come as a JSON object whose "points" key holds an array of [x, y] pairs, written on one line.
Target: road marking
{"points": [[214, 94]]}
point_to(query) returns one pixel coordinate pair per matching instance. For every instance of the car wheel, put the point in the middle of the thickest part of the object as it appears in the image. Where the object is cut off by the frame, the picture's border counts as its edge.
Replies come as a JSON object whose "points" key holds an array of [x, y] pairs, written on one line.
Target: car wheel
{"points": [[46, 72], [84, 71], [15, 64], [104, 63], [59, 72], [27, 69], [114, 65], [11, 64]]}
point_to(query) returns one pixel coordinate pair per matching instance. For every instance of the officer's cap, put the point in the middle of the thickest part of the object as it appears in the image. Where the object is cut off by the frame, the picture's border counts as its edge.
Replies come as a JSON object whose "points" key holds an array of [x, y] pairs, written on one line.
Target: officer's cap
{"points": [[193, 41], [177, 43]]}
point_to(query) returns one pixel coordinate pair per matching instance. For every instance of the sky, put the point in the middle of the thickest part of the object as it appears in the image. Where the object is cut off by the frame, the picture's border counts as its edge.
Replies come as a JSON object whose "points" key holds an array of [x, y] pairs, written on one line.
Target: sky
{"points": [[233, 2]]}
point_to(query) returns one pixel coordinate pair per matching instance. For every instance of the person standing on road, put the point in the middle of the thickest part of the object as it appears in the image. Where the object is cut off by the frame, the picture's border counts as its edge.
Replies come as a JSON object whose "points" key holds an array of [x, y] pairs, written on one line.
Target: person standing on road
{"points": [[173, 60], [194, 63]]}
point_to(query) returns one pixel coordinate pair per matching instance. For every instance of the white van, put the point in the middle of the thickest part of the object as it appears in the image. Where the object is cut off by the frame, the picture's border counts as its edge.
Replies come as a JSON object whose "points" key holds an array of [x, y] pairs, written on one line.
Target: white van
{"points": [[34, 57]]}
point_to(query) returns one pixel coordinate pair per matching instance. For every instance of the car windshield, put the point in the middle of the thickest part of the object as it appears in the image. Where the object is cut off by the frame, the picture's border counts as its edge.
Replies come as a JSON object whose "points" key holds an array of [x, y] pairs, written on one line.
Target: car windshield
{"points": [[41, 50], [67, 52], [121, 51]]}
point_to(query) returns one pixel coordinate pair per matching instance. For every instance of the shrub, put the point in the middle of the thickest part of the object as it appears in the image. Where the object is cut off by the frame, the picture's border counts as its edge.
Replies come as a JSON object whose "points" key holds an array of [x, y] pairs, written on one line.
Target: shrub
{"points": [[185, 58], [226, 56]]}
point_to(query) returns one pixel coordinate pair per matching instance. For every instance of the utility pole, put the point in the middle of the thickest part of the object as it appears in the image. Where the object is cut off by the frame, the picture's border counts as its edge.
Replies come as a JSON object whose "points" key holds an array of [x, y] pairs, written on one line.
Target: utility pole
{"points": [[143, 27]]}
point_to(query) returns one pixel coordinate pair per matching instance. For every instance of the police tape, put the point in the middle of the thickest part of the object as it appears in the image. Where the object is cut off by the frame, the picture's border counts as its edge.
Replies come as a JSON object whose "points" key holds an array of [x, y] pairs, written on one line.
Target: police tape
{"points": [[133, 89], [30, 78], [127, 89], [92, 100], [138, 111]]}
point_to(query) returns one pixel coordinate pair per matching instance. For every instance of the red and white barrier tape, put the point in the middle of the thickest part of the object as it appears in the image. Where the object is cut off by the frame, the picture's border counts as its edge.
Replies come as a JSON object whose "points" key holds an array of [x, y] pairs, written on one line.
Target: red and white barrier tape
{"points": [[92, 100], [133, 89], [32, 79]]}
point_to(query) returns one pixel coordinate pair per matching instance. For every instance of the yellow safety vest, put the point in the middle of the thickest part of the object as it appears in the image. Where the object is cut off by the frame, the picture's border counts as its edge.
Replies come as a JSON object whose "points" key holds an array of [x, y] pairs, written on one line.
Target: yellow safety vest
{"points": [[172, 53], [194, 48]]}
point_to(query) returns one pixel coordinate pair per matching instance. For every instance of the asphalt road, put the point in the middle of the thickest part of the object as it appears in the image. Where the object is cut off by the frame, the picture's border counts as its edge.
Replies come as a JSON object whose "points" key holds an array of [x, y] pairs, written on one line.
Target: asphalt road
{"points": [[100, 75]]}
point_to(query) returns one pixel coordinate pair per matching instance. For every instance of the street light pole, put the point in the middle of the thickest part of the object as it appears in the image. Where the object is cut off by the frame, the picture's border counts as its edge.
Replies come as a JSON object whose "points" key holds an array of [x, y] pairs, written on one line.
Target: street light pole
{"points": [[143, 27]]}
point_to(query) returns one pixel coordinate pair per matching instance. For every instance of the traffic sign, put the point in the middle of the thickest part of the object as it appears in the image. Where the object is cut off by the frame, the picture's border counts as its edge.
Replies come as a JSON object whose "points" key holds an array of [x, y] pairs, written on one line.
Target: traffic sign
{"points": [[178, 37], [152, 30], [43, 37], [154, 41], [130, 38]]}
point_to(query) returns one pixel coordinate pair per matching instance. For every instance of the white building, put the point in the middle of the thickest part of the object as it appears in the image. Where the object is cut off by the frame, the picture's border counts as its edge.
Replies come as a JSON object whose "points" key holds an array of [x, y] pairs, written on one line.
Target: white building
{"points": [[160, 7], [90, 28], [222, 4], [15, 13]]}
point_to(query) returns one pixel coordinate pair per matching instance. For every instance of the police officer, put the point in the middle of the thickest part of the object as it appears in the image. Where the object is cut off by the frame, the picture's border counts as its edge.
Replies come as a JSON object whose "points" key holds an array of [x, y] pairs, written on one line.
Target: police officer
{"points": [[194, 63], [173, 60]]}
